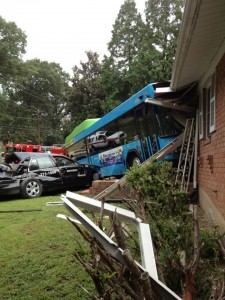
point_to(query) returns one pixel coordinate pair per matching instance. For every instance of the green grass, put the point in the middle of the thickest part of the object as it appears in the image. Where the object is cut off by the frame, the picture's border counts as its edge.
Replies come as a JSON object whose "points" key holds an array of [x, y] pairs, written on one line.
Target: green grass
{"points": [[36, 253]]}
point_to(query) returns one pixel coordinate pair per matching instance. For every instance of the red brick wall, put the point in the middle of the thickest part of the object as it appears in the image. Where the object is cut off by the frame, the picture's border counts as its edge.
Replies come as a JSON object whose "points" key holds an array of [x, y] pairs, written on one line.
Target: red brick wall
{"points": [[100, 185], [211, 172]]}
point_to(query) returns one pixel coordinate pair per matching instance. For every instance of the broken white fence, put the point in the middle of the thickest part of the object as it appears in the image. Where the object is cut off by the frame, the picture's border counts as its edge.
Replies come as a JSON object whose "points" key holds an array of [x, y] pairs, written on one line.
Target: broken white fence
{"points": [[72, 200]]}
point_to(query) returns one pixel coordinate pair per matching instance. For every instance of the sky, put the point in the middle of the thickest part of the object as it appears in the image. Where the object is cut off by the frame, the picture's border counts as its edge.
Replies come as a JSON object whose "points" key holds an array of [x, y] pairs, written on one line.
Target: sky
{"points": [[62, 31]]}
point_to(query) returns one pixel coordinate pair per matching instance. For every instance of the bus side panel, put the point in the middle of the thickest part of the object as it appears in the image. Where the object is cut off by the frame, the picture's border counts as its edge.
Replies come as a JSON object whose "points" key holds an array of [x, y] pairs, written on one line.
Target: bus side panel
{"points": [[113, 161], [164, 141], [134, 147]]}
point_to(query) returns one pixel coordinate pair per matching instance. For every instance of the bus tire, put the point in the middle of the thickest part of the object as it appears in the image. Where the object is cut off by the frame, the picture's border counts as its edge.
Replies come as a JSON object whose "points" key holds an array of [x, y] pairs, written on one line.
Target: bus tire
{"points": [[31, 188], [133, 160]]}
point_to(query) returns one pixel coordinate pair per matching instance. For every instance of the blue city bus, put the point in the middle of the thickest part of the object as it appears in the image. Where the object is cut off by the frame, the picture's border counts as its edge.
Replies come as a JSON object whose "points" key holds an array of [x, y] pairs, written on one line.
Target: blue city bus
{"points": [[130, 133]]}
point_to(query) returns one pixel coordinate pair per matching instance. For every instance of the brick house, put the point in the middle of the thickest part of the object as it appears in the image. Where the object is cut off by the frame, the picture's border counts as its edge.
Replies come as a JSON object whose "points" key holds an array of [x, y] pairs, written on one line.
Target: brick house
{"points": [[200, 62]]}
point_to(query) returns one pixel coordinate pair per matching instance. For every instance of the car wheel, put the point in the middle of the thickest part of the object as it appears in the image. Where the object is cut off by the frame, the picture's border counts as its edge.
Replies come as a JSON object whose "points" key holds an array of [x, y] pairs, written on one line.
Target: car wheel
{"points": [[31, 188], [95, 176]]}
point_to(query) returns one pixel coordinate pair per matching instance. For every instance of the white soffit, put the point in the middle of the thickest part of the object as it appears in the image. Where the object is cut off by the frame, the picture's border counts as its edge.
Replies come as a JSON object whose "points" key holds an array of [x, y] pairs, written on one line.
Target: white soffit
{"points": [[201, 42]]}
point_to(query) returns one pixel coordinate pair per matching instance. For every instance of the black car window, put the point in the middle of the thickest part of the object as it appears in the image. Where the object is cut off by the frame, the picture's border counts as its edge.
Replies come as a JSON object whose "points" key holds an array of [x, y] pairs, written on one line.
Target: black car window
{"points": [[45, 162], [101, 137], [33, 165], [23, 166], [108, 133], [63, 161]]}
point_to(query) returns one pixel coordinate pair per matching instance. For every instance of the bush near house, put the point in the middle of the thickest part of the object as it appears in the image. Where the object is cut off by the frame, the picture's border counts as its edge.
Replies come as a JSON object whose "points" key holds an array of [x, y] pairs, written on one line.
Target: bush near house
{"points": [[185, 251]]}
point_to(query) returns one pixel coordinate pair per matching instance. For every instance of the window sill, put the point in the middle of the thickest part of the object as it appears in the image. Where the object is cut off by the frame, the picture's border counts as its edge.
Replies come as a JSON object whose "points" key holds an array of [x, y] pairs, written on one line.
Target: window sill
{"points": [[207, 141]]}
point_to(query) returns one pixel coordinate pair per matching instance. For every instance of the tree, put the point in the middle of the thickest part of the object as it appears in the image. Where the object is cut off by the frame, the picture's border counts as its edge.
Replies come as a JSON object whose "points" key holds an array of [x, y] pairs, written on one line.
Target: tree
{"points": [[37, 99], [86, 94], [154, 60], [163, 18], [145, 67], [127, 35], [5, 119], [113, 84], [123, 48], [12, 46]]}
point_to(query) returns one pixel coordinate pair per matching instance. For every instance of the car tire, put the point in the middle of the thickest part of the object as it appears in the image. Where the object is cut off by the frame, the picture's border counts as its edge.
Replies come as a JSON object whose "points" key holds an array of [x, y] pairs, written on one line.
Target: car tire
{"points": [[95, 176], [31, 188]]}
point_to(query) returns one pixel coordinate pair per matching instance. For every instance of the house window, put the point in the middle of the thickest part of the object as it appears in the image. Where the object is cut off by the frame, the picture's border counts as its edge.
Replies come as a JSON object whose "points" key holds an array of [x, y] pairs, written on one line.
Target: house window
{"points": [[207, 109], [210, 107], [200, 115]]}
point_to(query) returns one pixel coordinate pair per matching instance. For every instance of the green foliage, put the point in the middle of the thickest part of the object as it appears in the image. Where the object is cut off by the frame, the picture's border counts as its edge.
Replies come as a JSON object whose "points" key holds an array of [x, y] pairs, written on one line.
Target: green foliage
{"points": [[126, 35], [12, 46], [211, 269], [37, 99], [167, 212], [163, 18], [86, 95], [114, 85], [210, 250], [38, 91]]}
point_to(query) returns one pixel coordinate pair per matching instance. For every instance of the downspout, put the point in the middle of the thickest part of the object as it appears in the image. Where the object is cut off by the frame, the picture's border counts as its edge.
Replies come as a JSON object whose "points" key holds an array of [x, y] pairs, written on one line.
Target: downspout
{"points": [[196, 152]]}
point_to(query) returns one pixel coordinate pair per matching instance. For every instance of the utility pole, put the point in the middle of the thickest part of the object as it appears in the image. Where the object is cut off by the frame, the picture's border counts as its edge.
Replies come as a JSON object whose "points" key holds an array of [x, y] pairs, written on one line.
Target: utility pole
{"points": [[39, 129]]}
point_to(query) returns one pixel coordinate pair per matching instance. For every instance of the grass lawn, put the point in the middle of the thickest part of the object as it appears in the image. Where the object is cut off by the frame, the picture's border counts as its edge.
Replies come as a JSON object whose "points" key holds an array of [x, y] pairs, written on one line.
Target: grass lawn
{"points": [[36, 253]]}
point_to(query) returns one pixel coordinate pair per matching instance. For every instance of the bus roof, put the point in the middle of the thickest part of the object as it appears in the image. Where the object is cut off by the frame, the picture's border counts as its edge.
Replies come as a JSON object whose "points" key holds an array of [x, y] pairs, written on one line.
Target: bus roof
{"points": [[120, 110], [78, 129]]}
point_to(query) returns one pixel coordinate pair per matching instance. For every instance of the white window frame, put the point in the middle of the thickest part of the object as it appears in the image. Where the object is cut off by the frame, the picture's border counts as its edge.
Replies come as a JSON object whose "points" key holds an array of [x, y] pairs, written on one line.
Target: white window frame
{"points": [[211, 105], [200, 117]]}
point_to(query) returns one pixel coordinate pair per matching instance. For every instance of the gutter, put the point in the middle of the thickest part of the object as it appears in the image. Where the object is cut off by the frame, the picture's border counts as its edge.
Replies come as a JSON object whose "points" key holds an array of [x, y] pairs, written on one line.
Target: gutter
{"points": [[190, 17]]}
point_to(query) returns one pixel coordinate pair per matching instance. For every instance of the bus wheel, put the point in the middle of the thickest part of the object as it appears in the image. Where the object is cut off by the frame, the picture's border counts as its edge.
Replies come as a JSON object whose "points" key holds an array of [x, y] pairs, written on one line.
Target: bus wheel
{"points": [[134, 161], [31, 188]]}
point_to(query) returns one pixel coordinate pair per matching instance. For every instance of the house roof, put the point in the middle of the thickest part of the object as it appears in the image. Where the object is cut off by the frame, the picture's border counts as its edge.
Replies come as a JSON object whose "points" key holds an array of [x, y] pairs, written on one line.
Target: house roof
{"points": [[201, 39]]}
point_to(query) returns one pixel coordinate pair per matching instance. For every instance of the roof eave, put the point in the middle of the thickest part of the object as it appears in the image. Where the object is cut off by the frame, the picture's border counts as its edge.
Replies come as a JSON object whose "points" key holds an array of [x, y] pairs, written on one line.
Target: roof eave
{"points": [[187, 27]]}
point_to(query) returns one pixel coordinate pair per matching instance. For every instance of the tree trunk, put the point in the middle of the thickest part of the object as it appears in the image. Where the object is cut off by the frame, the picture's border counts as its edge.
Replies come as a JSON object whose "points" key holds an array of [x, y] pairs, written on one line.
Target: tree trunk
{"points": [[189, 288]]}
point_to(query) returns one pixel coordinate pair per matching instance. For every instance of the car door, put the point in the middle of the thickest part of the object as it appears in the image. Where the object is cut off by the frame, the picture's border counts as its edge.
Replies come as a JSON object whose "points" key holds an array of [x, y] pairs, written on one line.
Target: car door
{"points": [[47, 171], [69, 171]]}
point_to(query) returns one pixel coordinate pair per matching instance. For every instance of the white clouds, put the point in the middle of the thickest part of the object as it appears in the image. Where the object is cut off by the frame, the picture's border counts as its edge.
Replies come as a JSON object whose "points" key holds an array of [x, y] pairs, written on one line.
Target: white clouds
{"points": [[62, 30]]}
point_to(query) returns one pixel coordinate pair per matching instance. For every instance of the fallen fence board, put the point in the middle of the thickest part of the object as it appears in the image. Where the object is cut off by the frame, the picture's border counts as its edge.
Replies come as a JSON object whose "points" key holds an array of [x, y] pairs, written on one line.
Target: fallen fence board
{"points": [[109, 245], [95, 206]]}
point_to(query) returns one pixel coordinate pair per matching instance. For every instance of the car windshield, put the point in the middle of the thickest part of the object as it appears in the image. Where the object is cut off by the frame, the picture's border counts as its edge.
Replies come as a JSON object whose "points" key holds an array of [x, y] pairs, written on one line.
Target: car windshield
{"points": [[108, 133]]}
